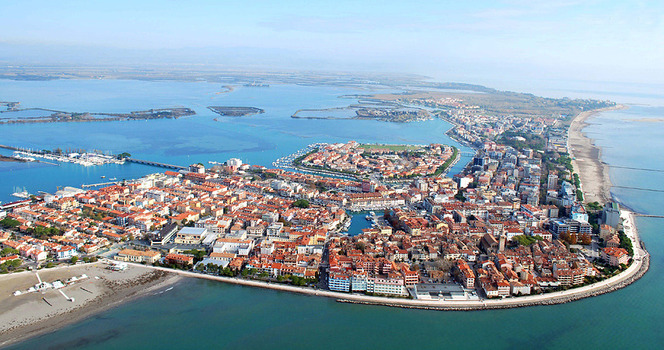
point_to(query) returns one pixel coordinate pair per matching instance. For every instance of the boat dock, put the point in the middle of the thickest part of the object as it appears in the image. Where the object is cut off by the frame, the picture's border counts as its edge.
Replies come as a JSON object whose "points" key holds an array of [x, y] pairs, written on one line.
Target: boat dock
{"points": [[101, 184]]}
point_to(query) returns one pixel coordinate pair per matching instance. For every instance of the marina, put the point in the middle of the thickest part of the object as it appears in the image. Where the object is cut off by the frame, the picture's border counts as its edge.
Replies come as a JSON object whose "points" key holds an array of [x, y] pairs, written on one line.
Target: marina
{"points": [[237, 299], [84, 159]]}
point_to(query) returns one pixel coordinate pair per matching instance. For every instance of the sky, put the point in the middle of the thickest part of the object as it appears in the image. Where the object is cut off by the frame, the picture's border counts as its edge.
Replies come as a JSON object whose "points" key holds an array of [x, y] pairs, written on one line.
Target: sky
{"points": [[590, 40]]}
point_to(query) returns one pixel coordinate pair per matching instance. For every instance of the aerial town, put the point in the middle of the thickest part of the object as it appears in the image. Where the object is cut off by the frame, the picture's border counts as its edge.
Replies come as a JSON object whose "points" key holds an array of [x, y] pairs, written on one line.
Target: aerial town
{"points": [[511, 223], [383, 161]]}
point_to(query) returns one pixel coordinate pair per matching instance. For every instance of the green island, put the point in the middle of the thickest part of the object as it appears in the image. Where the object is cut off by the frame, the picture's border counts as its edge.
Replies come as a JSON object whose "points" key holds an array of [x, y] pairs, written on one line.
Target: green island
{"points": [[62, 116], [235, 111]]}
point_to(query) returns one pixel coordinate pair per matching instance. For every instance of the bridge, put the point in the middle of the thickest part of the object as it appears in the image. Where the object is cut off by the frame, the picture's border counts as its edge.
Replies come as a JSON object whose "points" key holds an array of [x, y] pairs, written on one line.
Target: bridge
{"points": [[157, 164]]}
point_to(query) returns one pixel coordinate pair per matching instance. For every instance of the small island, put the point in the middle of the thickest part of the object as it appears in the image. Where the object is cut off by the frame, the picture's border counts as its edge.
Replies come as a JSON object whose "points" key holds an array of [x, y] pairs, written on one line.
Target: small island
{"points": [[63, 116], [393, 115], [378, 161], [367, 110], [235, 111]]}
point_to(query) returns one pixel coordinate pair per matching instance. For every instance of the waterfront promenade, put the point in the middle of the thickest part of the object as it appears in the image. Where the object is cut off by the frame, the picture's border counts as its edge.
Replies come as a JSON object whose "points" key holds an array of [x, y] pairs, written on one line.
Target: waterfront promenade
{"points": [[637, 269]]}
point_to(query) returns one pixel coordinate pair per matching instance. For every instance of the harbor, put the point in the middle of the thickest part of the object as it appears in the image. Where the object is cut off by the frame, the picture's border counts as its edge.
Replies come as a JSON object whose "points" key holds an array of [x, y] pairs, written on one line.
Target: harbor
{"points": [[44, 156]]}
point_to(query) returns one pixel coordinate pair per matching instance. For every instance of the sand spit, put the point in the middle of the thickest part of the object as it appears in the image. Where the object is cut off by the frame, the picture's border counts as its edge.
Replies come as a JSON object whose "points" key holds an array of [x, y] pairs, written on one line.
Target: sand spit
{"points": [[593, 173], [29, 315]]}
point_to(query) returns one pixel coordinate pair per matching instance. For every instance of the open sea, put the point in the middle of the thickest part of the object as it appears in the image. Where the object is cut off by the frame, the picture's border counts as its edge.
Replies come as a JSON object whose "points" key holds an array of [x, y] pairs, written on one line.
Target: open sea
{"points": [[207, 314]]}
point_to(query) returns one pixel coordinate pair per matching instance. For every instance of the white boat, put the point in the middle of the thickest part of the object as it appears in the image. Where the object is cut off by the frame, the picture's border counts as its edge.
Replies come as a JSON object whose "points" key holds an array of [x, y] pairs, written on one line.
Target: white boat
{"points": [[20, 193], [23, 194]]}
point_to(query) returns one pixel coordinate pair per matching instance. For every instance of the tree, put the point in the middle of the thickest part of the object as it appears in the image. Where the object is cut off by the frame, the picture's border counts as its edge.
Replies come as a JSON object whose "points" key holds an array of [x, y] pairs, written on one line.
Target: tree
{"points": [[198, 254], [280, 278], [74, 259], [8, 251], [9, 223], [301, 203], [586, 239]]}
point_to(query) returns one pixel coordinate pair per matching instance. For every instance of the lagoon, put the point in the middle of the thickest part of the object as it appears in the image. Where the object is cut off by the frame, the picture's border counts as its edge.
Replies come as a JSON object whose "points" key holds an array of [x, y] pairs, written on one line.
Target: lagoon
{"points": [[208, 314]]}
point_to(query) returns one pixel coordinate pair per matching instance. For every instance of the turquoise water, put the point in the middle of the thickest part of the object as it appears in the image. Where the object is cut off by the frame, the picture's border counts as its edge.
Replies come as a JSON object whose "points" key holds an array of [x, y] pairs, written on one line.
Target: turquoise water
{"points": [[206, 314], [258, 139], [359, 222]]}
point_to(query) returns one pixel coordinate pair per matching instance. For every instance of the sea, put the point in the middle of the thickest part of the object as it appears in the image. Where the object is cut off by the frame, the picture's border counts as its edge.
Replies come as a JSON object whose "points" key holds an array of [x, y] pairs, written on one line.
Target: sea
{"points": [[206, 314]]}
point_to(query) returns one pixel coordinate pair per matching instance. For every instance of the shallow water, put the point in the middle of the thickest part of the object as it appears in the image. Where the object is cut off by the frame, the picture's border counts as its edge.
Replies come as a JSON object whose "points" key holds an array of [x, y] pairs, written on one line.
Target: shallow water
{"points": [[198, 313]]}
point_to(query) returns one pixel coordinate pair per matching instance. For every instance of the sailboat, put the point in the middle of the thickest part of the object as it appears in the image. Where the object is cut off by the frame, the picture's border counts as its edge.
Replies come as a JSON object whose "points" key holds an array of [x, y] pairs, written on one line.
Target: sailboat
{"points": [[20, 193]]}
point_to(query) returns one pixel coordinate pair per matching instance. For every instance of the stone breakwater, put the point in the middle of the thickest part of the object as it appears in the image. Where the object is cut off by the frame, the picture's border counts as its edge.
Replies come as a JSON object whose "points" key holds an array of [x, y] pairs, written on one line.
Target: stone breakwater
{"points": [[554, 300]]}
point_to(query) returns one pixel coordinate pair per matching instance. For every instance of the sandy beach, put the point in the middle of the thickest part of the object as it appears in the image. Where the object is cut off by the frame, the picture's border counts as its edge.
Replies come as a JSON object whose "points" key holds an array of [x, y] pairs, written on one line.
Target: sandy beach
{"points": [[586, 159], [30, 315], [37, 313]]}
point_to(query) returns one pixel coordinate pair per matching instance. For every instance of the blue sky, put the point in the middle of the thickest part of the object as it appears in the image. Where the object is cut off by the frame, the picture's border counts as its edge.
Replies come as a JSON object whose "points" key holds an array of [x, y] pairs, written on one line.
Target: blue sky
{"points": [[567, 39]]}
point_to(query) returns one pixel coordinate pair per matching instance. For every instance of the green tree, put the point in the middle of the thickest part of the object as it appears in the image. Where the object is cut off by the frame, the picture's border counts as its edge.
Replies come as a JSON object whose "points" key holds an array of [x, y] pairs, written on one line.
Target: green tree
{"points": [[9, 223], [8, 251], [301, 203], [74, 259]]}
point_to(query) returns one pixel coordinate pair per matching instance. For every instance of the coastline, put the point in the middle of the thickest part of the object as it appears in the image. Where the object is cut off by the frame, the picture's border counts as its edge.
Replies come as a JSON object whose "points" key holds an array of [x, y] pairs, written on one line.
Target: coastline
{"points": [[28, 316], [635, 271], [586, 158]]}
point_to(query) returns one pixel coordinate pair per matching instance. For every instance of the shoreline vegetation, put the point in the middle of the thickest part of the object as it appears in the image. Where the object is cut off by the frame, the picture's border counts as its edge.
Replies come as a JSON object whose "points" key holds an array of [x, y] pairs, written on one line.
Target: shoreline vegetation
{"points": [[114, 288], [368, 109], [64, 117], [147, 283], [235, 111]]}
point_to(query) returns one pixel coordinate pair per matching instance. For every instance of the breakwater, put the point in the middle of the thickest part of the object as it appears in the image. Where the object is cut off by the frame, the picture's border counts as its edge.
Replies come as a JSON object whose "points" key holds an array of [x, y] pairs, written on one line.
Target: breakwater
{"points": [[490, 305]]}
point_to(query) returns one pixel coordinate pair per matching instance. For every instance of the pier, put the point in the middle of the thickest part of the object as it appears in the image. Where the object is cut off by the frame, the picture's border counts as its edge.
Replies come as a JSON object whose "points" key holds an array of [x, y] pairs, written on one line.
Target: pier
{"points": [[633, 168], [638, 188], [157, 164], [101, 184], [649, 215], [10, 148]]}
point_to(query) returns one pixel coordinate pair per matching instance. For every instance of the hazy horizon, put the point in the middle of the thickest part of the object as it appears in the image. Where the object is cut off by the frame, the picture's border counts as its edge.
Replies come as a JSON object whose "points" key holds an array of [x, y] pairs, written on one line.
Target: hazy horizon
{"points": [[486, 43]]}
